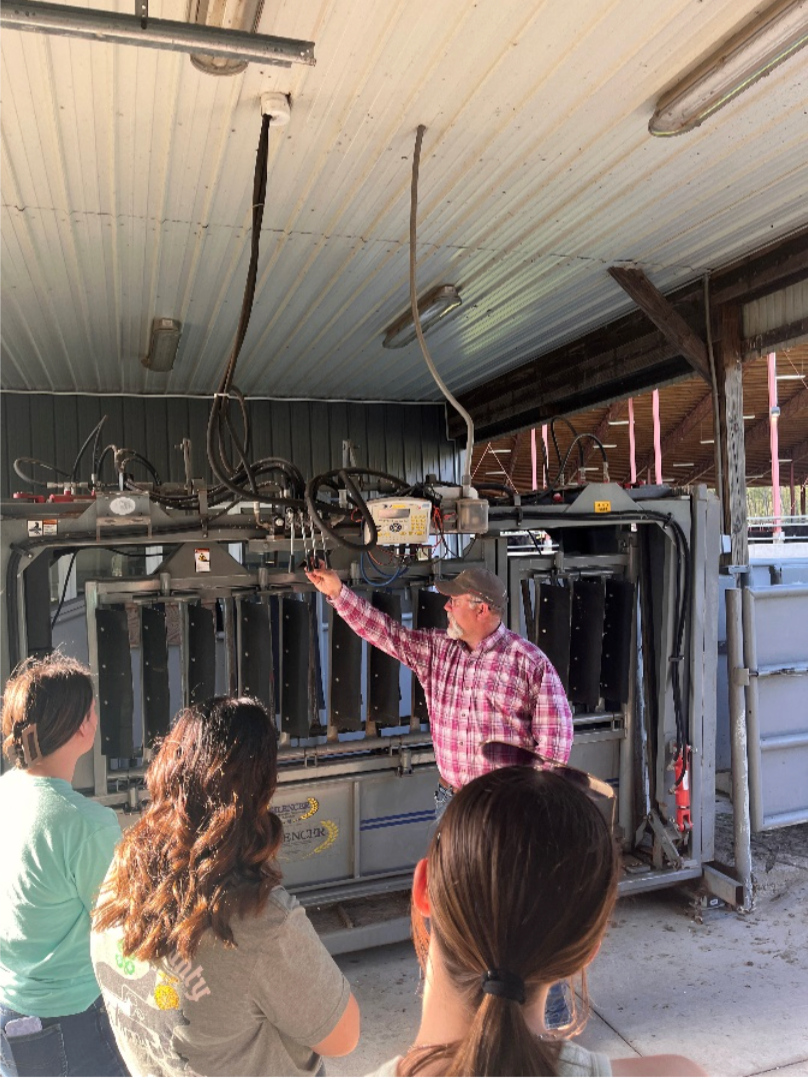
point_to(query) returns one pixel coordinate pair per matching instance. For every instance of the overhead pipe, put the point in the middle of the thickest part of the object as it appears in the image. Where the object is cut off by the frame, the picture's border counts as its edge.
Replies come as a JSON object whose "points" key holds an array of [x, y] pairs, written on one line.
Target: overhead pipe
{"points": [[121, 29]]}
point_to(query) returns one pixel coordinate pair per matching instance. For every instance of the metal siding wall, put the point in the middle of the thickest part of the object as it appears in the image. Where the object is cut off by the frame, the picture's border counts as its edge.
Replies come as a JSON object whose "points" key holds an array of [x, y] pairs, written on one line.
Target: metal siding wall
{"points": [[406, 440], [783, 308]]}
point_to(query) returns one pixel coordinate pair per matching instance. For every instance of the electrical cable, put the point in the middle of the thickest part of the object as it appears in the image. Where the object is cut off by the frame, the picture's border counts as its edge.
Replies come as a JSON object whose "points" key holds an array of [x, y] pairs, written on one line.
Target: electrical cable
{"points": [[552, 423], [416, 317]]}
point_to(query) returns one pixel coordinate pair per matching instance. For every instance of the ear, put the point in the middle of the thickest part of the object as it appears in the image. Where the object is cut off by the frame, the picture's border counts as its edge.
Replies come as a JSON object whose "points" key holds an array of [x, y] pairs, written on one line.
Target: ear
{"points": [[420, 889]]}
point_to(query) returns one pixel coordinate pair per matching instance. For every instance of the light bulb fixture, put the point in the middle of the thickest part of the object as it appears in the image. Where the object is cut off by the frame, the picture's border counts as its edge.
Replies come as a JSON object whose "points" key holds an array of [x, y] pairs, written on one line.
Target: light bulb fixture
{"points": [[732, 68], [165, 340], [502, 451], [684, 464], [609, 445], [224, 15], [432, 307], [619, 423], [792, 377]]}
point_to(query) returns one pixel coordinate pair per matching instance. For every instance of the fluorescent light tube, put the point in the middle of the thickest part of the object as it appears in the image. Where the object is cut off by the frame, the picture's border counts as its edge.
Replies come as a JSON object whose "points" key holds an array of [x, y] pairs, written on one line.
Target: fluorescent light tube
{"points": [[732, 68], [431, 307]]}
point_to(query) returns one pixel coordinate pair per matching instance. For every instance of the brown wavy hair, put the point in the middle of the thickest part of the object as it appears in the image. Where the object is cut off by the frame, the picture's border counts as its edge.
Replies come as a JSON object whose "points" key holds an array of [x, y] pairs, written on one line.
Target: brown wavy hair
{"points": [[54, 693], [522, 877], [204, 849]]}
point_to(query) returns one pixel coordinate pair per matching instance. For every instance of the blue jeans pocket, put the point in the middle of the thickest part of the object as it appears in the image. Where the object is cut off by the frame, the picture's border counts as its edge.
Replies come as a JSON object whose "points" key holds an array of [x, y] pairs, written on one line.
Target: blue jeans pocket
{"points": [[42, 1054]]}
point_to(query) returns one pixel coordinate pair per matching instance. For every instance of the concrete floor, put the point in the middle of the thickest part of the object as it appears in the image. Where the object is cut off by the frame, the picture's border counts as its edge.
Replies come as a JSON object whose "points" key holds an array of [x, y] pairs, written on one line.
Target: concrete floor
{"points": [[730, 991]]}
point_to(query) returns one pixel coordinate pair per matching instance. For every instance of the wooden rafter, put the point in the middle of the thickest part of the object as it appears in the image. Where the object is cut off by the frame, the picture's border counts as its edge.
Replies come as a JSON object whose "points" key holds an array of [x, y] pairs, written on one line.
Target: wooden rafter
{"points": [[664, 316]]}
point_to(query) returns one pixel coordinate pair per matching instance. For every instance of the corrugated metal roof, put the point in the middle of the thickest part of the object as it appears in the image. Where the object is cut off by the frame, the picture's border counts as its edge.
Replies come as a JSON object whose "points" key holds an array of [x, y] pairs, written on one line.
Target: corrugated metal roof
{"points": [[127, 174]]}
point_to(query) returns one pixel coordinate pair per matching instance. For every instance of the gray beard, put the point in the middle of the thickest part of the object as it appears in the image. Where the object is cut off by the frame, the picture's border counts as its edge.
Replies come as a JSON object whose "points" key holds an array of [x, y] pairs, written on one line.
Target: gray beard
{"points": [[453, 630]]}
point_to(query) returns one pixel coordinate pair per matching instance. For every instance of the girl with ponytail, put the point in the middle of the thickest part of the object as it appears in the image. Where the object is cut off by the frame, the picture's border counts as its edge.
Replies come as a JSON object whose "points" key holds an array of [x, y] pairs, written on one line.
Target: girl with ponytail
{"points": [[518, 887]]}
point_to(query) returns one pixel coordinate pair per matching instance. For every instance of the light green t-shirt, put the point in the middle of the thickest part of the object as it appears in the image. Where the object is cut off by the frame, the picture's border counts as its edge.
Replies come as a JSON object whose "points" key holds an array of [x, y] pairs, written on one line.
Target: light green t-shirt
{"points": [[55, 849]]}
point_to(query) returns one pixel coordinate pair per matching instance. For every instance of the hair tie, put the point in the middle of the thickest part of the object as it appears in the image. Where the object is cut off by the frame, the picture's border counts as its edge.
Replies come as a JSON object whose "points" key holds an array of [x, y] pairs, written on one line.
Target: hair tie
{"points": [[504, 984]]}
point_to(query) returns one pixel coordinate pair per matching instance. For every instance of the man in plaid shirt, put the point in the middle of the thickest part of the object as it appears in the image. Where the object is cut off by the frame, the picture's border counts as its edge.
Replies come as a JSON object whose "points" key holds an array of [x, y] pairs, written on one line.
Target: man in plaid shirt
{"points": [[494, 699]]}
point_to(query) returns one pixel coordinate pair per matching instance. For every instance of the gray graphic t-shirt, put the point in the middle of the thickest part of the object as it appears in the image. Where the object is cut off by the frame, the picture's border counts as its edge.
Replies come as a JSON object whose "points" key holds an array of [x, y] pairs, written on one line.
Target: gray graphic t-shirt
{"points": [[255, 1010]]}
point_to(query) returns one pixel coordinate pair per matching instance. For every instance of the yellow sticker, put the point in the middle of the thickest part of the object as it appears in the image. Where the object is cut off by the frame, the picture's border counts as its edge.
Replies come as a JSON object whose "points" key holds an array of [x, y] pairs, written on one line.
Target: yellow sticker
{"points": [[603, 506]]}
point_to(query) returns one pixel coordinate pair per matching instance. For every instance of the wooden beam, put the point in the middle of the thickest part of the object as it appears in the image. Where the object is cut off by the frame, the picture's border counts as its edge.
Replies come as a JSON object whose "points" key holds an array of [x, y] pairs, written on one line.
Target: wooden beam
{"points": [[729, 440], [664, 316]]}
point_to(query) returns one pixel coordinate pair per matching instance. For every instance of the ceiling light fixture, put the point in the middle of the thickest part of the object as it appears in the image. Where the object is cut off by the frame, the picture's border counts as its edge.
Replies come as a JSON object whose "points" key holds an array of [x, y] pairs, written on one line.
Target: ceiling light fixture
{"points": [[793, 377], [224, 15], [432, 307], [165, 340], [732, 68], [683, 464], [502, 451], [619, 423], [706, 442], [609, 445]]}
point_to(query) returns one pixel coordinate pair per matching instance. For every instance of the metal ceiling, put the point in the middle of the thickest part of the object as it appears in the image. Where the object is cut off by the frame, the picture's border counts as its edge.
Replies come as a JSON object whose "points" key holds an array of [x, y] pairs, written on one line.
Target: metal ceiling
{"points": [[127, 174]]}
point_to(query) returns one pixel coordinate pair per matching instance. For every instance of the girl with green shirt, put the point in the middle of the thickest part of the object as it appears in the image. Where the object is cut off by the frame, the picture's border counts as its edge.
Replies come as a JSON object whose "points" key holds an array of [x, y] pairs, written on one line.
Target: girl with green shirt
{"points": [[55, 849]]}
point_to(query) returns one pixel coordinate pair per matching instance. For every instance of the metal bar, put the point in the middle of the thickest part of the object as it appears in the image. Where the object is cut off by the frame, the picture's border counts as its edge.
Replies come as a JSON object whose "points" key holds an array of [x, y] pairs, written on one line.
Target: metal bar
{"points": [[777, 592], [791, 669], [369, 936], [99, 758], [724, 886], [121, 29], [742, 829], [657, 879], [625, 791], [784, 742]]}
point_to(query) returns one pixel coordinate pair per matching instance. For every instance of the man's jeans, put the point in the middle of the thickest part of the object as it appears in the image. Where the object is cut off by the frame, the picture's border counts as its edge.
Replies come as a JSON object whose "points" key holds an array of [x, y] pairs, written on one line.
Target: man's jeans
{"points": [[557, 1011], [79, 1045]]}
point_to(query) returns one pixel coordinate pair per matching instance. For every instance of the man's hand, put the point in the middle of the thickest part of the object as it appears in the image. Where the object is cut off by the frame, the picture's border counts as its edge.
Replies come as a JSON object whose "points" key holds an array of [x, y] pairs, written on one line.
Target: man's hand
{"points": [[325, 581]]}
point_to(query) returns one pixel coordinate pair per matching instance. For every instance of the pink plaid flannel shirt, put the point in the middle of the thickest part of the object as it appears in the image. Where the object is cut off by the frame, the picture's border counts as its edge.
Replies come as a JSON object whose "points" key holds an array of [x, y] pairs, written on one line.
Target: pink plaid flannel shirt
{"points": [[499, 704]]}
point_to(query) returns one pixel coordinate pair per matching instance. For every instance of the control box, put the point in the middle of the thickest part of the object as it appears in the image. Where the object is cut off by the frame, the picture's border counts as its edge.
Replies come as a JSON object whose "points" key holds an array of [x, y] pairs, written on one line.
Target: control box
{"points": [[401, 521]]}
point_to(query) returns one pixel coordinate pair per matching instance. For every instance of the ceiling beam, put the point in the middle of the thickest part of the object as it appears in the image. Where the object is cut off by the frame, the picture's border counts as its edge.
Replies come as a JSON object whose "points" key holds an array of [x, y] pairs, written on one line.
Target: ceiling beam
{"points": [[629, 354], [664, 316]]}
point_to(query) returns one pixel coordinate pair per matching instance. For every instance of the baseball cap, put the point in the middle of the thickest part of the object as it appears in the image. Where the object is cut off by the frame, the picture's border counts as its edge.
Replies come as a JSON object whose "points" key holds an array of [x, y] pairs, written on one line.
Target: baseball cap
{"points": [[478, 582]]}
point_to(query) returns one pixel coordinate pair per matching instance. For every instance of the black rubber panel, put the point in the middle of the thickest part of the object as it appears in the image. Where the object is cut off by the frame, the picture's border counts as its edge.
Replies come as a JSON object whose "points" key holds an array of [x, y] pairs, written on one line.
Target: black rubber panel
{"points": [[346, 676], [115, 695], [201, 653], [256, 650], [553, 616], [384, 695], [154, 658], [275, 633], [295, 652], [616, 663], [316, 670], [586, 642], [429, 615]]}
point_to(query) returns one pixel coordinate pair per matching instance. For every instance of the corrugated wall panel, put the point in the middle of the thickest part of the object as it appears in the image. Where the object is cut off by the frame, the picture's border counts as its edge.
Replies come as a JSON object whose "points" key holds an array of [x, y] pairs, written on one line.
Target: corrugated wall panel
{"points": [[405, 440], [788, 307]]}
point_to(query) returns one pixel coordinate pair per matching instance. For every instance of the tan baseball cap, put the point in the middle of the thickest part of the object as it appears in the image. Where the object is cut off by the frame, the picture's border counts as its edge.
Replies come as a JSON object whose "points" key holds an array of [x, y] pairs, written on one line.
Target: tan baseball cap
{"points": [[477, 582]]}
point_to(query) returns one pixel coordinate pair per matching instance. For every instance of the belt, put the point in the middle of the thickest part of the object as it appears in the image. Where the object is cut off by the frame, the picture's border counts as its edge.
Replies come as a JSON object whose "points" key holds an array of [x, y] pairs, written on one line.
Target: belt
{"points": [[447, 787]]}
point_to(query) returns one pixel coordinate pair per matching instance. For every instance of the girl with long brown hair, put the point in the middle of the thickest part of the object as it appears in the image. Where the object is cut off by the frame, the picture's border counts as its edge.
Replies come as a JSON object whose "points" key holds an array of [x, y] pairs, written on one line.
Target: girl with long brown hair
{"points": [[207, 965], [518, 887]]}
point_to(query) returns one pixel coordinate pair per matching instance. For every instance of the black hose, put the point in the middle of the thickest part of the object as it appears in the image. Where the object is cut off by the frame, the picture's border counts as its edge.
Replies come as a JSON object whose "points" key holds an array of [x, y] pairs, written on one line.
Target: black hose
{"points": [[42, 464], [92, 437]]}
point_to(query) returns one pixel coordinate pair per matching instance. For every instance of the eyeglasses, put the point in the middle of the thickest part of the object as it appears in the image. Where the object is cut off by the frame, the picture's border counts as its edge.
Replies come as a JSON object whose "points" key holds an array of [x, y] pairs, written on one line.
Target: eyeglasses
{"points": [[471, 601]]}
